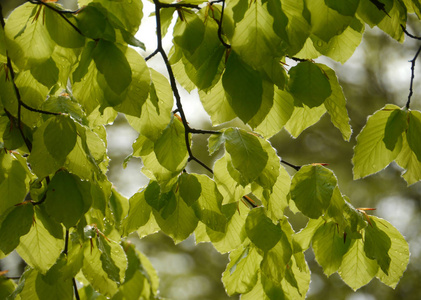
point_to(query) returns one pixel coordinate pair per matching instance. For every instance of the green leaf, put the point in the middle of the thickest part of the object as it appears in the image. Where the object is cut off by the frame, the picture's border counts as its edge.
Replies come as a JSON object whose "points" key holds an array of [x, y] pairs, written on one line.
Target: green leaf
{"points": [[37, 287], [243, 87], [27, 37], [395, 126], [139, 213], [326, 22], [392, 23], [413, 133], [357, 269], [408, 160], [188, 34], [7, 286], [41, 247], [46, 73], [14, 180], [190, 188], [64, 202], [92, 21], [241, 273], [208, 206], [156, 111], [170, 147], [180, 223], [336, 104], [312, 188], [341, 47], [14, 223], [308, 84], [255, 40], [234, 234], [398, 253], [248, 155], [93, 271], [298, 27], [329, 247], [112, 63], [216, 104], [274, 263], [279, 114], [203, 64], [370, 153], [60, 137], [305, 235], [261, 231], [376, 246], [109, 252], [61, 32], [373, 14], [42, 162], [230, 189], [346, 8], [137, 92], [128, 14]]}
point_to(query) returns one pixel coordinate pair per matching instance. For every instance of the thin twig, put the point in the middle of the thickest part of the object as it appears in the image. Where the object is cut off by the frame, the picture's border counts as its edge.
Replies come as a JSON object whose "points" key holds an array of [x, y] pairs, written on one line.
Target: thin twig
{"points": [[61, 13], [297, 168], [412, 61], [75, 289], [200, 131], [178, 5], [410, 35], [228, 46], [73, 12], [160, 49], [200, 163], [151, 55]]}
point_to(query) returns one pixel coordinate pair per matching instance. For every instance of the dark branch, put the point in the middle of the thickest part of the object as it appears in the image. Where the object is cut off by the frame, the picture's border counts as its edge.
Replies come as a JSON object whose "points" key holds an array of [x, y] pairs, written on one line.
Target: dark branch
{"points": [[412, 61], [297, 168], [408, 34], [200, 131], [75, 289], [151, 55], [200, 163], [178, 5], [160, 49], [61, 13], [228, 46]]}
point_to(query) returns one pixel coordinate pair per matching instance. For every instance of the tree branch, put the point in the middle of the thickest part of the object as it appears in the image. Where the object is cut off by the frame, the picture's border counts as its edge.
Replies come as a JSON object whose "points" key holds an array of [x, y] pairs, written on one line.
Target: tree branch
{"points": [[408, 34], [412, 61], [60, 12], [160, 49], [228, 46], [296, 168]]}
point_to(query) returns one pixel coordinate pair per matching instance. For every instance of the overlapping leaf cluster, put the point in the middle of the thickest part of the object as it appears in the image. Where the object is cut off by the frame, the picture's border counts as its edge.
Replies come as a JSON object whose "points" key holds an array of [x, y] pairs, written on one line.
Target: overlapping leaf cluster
{"points": [[64, 75]]}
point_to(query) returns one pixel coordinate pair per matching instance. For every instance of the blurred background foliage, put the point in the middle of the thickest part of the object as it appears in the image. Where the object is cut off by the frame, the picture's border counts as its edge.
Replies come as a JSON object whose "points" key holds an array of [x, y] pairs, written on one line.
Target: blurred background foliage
{"points": [[378, 73]]}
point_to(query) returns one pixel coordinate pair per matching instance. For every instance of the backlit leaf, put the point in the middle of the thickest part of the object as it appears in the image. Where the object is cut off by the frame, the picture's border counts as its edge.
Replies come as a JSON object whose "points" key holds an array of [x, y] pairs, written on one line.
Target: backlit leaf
{"points": [[248, 156], [243, 87], [308, 84], [371, 154], [312, 188]]}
